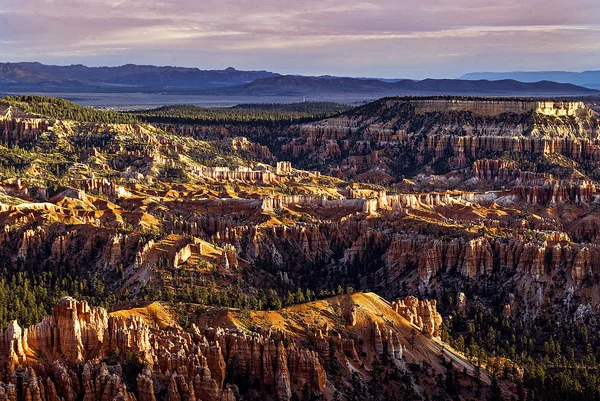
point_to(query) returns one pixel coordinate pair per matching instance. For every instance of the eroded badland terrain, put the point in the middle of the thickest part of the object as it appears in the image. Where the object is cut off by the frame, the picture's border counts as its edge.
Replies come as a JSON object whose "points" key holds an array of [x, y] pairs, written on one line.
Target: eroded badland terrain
{"points": [[411, 248]]}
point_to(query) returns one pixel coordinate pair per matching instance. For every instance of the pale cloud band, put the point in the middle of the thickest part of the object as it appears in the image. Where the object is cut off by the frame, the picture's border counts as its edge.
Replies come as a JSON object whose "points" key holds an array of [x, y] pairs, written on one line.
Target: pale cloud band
{"points": [[378, 38]]}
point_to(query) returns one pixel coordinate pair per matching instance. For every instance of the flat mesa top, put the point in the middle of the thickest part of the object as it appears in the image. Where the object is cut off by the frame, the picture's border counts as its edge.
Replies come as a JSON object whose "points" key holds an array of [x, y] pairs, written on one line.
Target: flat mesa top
{"points": [[495, 107]]}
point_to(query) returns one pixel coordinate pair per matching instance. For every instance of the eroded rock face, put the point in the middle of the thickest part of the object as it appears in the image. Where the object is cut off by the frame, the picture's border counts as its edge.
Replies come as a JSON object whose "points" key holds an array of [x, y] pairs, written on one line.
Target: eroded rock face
{"points": [[482, 256], [430, 130], [496, 107], [19, 127], [422, 314], [190, 365], [243, 145], [436, 224]]}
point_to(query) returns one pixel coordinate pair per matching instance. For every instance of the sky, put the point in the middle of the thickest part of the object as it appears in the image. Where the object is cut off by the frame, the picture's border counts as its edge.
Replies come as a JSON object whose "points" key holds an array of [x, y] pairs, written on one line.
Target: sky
{"points": [[383, 38]]}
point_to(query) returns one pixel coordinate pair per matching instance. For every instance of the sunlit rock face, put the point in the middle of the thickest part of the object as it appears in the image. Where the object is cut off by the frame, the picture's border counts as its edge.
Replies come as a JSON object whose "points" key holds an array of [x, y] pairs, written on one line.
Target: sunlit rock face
{"points": [[189, 363], [491, 108], [17, 126], [83, 352]]}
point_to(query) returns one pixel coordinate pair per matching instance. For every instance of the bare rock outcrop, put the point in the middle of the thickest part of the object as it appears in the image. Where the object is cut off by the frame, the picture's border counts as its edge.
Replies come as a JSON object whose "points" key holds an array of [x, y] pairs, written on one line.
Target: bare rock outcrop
{"points": [[189, 365], [422, 314]]}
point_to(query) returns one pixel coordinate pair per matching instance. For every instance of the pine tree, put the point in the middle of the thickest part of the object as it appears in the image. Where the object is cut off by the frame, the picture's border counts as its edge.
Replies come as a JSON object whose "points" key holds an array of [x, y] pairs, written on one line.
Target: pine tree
{"points": [[299, 296]]}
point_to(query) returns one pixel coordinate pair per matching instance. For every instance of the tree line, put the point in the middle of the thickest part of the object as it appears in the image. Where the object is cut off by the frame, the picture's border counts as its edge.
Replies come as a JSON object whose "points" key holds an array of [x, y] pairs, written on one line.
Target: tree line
{"points": [[61, 109], [254, 113]]}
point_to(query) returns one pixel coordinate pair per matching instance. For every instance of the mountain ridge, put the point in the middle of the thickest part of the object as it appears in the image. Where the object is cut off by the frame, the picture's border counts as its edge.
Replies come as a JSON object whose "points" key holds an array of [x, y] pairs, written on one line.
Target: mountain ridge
{"points": [[34, 77], [588, 78], [19, 75], [299, 85]]}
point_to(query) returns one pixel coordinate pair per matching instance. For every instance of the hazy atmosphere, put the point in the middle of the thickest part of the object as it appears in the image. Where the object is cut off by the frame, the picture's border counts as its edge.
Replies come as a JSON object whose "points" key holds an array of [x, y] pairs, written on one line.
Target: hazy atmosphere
{"points": [[380, 38]]}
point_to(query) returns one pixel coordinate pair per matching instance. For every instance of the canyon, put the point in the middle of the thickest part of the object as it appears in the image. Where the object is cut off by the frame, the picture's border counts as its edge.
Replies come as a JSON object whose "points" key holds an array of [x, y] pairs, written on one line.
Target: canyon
{"points": [[301, 260]]}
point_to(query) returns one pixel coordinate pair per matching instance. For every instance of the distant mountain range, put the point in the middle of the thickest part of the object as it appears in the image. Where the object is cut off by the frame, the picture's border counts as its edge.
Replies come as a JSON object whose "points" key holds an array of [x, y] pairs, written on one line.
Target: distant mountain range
{"points": [[588, 79], [130, 78], [126, 78], [300, 85]]}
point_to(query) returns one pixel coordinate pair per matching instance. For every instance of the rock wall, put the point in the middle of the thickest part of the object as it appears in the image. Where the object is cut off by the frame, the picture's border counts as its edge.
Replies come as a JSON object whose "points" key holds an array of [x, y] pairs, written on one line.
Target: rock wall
{"points": [[484, 107], [550, 193], [17, 129], [261, 152], [225, 174], [100, 186], [483, 256]]}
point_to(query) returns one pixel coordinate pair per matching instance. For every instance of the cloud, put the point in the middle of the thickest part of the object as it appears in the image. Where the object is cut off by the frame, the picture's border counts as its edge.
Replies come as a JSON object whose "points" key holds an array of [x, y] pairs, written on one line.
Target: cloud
{"points": [[384, 37]]}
